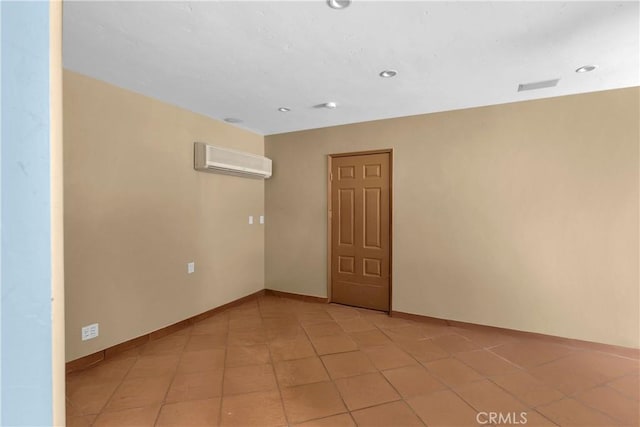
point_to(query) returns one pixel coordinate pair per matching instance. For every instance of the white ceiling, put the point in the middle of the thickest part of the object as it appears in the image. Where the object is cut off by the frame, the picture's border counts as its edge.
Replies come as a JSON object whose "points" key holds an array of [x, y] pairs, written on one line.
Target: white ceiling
{"points": [[245, 59]]}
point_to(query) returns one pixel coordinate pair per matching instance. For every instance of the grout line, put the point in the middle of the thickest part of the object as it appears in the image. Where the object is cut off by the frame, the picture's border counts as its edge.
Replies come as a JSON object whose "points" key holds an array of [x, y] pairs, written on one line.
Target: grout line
{"points": [[519, 399], [610, 354], [331, 380], [328, 416], [543, 416], [273, 369], [505, 359], [418, 364], [380, 372], [296, 311], [224, 368], [465, 400], [175, 373], [588, 406], [115, 389], [445, 384], [604, 384]]}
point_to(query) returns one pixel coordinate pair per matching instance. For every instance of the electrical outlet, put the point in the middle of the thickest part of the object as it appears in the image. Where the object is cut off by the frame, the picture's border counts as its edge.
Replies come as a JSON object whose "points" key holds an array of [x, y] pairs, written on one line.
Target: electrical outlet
{"points": [[90, 331], [261, 219], [191, 267]]}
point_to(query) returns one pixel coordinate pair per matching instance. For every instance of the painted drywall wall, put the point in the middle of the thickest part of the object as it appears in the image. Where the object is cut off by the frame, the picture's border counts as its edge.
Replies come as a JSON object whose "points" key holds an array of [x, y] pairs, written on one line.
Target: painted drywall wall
{"points": [[27, 226], [522, 216], [136, 212]]}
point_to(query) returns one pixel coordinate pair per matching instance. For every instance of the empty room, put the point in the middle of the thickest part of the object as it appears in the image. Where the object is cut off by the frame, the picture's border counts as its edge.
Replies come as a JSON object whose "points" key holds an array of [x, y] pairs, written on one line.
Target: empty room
{"points": [[320, 213]]}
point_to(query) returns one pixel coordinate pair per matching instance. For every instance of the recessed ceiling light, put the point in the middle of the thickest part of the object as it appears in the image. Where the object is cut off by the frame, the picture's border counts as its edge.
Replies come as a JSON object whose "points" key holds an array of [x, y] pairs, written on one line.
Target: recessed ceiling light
{"points": [[388, 73], [284, 109], [329, 105], [338, 4], [232, 120], [586, 68]]}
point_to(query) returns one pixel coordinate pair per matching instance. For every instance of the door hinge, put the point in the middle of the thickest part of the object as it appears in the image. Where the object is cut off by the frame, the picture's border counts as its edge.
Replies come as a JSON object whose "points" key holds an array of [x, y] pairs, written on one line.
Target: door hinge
{"points": [[330, 176]]}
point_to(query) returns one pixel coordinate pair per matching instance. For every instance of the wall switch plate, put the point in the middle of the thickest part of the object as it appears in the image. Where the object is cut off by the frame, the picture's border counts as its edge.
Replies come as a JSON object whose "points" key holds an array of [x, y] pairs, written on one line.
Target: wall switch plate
{"points": [[191, 267], [250, 219], [261, 219], [90, 331]]}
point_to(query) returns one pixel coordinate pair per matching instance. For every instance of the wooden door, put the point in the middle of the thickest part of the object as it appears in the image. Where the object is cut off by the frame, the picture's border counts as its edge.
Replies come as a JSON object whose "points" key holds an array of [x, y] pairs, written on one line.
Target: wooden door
{"points": [[360, 230]]}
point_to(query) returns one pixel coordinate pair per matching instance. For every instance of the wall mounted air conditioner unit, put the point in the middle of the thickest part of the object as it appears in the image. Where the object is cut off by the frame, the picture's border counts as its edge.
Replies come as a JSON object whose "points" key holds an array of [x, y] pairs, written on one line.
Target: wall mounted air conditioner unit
{"points": [[209, 158]]}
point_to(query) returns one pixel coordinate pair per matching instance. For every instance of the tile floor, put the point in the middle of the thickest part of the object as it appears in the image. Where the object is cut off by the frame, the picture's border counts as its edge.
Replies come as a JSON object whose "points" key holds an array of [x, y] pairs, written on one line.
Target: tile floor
{"points": [[277, 362]]}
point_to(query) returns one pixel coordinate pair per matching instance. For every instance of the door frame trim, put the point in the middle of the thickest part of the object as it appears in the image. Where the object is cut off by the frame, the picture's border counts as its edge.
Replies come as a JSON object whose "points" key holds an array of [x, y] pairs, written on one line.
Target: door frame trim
{"points": [[330, 157]]}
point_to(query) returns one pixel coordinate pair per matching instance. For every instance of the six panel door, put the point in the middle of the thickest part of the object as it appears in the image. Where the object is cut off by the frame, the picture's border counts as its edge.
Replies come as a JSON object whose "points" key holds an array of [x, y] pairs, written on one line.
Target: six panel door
{"points": [[360, 241]]}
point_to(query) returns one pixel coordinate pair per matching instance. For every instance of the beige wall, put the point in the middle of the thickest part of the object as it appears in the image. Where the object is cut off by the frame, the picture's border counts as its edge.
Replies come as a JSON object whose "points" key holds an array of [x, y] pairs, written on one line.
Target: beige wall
{"points": [[136, 212], [522, 215]]}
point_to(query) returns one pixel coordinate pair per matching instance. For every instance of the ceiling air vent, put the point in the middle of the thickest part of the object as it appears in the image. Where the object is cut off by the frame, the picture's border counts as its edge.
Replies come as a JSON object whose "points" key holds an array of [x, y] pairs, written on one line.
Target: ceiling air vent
{"points": [[537, 85]]}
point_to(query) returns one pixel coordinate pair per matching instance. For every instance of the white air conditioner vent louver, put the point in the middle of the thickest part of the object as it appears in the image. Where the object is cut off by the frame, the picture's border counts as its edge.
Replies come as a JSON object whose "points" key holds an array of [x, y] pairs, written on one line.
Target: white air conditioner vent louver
{"points": [[537, 85], [210, 158]]}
